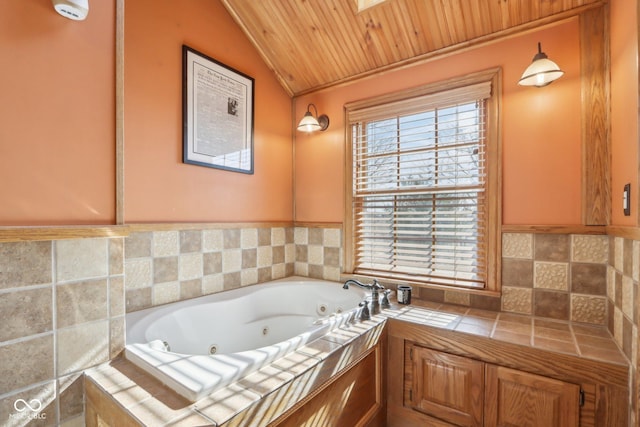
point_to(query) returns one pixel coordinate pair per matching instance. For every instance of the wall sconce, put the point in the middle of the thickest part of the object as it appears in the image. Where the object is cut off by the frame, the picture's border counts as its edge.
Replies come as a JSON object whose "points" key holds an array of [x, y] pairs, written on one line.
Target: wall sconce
{"points": [[541, 72], [310, 123]]}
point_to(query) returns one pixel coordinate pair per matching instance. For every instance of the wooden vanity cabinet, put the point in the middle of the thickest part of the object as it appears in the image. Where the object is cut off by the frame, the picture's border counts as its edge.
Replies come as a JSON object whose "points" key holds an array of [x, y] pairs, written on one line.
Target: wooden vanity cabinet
{"points": [[442, 378], [470, 393]]}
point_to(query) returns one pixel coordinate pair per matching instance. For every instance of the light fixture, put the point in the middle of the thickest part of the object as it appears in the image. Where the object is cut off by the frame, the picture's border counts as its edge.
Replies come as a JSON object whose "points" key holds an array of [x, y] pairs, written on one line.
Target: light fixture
{"points": [[541, 72], [72, 9], [310, 123]]}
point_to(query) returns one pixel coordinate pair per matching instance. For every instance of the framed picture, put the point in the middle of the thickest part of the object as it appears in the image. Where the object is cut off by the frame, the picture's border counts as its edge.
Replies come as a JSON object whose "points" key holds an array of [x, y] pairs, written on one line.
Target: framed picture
{"points": [[217, 110]]}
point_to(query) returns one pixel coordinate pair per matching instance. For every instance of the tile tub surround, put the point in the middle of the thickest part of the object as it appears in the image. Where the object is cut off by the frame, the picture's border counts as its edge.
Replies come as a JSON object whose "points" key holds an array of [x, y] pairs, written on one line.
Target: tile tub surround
{"points": [[118, 393], [163, 266], [61, 312]]}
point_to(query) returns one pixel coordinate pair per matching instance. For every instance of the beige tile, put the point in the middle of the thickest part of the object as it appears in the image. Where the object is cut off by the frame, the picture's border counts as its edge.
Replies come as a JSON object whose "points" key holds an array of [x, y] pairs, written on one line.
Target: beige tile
{"points": [[166, 243], [517, 300], [212, 284], [635, 273], [316, 255], [15, 373], [627, 296], [212, 263], [332, 238], [79, 259], [455, 297], [116, 296], [278, 236], [82, 346], [266, 380], [555, 345], [618, 253], [332, 273], [138, 245], [226, 403], [331, 257], [264, 237], [249, 258], [248, 276], [44, 395], [517, 245], [116, 336], [511, 337], [290, 252], [212, 240], [551, 275], [190, 266], [231, 238], [301, 236], [587, 248], [316, 236], [71, 390], [265, 256], [191, 288], [588, 309], [24, 264], [26, 312], [231, 260], [164, 293], [137, 299], [617, 325], [81, 302], [116, 256], [278, 255], [301, 269], [190, 241], [138, 273], [611, 283], [165, 269], [249, 238]]}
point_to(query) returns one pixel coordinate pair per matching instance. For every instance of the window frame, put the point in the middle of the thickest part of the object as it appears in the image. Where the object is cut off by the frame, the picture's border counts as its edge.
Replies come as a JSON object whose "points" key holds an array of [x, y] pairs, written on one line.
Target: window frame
{"points": [[493, 171]]}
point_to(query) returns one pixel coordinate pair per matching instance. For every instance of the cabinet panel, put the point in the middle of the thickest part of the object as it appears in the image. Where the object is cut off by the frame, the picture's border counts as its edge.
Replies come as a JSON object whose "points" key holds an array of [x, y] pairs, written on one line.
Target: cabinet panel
{"points": [[445, 386], [514, 398]]}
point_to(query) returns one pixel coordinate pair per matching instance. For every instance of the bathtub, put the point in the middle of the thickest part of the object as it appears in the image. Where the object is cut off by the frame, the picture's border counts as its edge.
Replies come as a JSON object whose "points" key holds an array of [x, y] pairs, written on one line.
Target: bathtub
{"points": [[200, 345]]}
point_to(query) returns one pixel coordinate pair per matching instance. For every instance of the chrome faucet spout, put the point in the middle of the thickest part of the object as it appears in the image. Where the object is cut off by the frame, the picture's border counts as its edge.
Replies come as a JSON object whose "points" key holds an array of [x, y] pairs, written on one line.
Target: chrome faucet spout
{"points": [[374, 288]]}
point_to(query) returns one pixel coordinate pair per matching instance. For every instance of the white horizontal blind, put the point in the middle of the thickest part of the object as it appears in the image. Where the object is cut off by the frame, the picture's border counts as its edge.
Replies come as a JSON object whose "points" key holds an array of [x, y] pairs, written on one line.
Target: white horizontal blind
{"points": [[419, 190]]}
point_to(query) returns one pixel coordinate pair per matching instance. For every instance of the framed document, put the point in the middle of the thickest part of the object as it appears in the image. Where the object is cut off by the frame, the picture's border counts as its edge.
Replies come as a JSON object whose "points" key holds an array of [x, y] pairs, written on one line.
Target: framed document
{"points": [[217, 114]]}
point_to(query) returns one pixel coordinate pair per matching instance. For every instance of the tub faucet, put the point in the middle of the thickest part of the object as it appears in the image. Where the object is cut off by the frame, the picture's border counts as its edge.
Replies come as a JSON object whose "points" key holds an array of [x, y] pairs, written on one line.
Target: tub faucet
{"points": [[375, 287]]}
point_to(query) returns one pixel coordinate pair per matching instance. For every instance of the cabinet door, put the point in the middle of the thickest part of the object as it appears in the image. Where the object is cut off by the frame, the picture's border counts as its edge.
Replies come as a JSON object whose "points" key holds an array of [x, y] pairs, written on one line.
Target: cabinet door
{"points": [[445, 386], [515, 398]]}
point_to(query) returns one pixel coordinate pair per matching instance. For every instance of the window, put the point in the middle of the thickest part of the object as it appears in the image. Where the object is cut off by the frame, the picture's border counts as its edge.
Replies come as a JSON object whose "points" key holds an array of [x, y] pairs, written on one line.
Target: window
{"points": [[423, 192]]}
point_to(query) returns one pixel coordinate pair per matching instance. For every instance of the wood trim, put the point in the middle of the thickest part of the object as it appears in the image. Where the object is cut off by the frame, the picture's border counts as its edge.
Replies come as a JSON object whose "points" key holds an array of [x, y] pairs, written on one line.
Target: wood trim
{"points": [[119, 84], [205, 225], [596, 121], [317, 224], [632, 233], [26, 234], [555, 229]]}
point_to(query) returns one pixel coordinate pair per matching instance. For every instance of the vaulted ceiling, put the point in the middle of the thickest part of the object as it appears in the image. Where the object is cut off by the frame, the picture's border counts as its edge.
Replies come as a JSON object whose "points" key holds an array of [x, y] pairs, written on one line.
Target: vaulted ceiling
{"points": [[312, 44]]}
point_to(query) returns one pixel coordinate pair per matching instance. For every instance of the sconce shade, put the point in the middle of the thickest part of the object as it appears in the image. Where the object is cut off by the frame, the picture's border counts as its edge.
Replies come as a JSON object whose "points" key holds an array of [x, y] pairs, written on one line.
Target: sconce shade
{"points": [[541, 72], [310, 123]]}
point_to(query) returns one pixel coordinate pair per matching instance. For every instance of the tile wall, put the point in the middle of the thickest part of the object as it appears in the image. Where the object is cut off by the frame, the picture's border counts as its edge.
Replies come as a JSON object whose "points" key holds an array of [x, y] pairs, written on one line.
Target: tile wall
{"points": [[167, 266], [623, 273], [61, 312], [555, 276], [62, 303]]}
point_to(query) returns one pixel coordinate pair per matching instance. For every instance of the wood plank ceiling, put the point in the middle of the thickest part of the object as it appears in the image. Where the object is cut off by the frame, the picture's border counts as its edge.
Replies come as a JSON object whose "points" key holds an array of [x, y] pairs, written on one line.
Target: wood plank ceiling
{"points": [[313, 44]]}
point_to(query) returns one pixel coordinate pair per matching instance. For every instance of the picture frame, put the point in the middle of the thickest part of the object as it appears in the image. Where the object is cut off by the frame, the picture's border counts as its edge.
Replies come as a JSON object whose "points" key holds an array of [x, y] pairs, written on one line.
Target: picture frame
{"points": [[217, 110]]}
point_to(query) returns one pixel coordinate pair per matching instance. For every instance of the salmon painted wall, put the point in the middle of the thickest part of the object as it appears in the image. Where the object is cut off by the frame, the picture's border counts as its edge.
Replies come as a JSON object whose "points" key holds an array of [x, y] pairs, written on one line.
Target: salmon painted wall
{"points": [[57, 103], [158, 186], [624, 109], [540, 130]]}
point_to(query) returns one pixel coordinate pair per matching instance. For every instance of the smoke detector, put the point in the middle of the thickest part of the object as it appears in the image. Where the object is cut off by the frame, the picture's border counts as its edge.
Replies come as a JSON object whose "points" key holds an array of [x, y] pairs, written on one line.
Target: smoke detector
{"points": [[72, 9]]}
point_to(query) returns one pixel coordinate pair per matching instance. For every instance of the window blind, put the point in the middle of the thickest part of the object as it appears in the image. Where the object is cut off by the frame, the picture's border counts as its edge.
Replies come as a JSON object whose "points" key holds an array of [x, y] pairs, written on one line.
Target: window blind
{"points": [[419, 188]]}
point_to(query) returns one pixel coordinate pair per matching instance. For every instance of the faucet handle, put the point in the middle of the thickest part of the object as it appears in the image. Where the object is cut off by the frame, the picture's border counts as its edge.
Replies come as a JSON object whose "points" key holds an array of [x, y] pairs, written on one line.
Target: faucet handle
{"points": [[384, 303], [364, 311]]}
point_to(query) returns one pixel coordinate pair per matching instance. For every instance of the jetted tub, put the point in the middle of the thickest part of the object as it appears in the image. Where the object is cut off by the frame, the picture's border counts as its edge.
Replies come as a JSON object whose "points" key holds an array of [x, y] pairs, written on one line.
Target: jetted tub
{"points": [[199, 345]]}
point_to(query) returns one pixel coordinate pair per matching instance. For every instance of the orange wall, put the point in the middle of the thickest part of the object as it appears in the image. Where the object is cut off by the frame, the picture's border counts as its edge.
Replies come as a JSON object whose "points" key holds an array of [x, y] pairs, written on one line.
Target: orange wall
{"points": [[624, 109], [540, 130], [57, 150], [158, 186]]}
